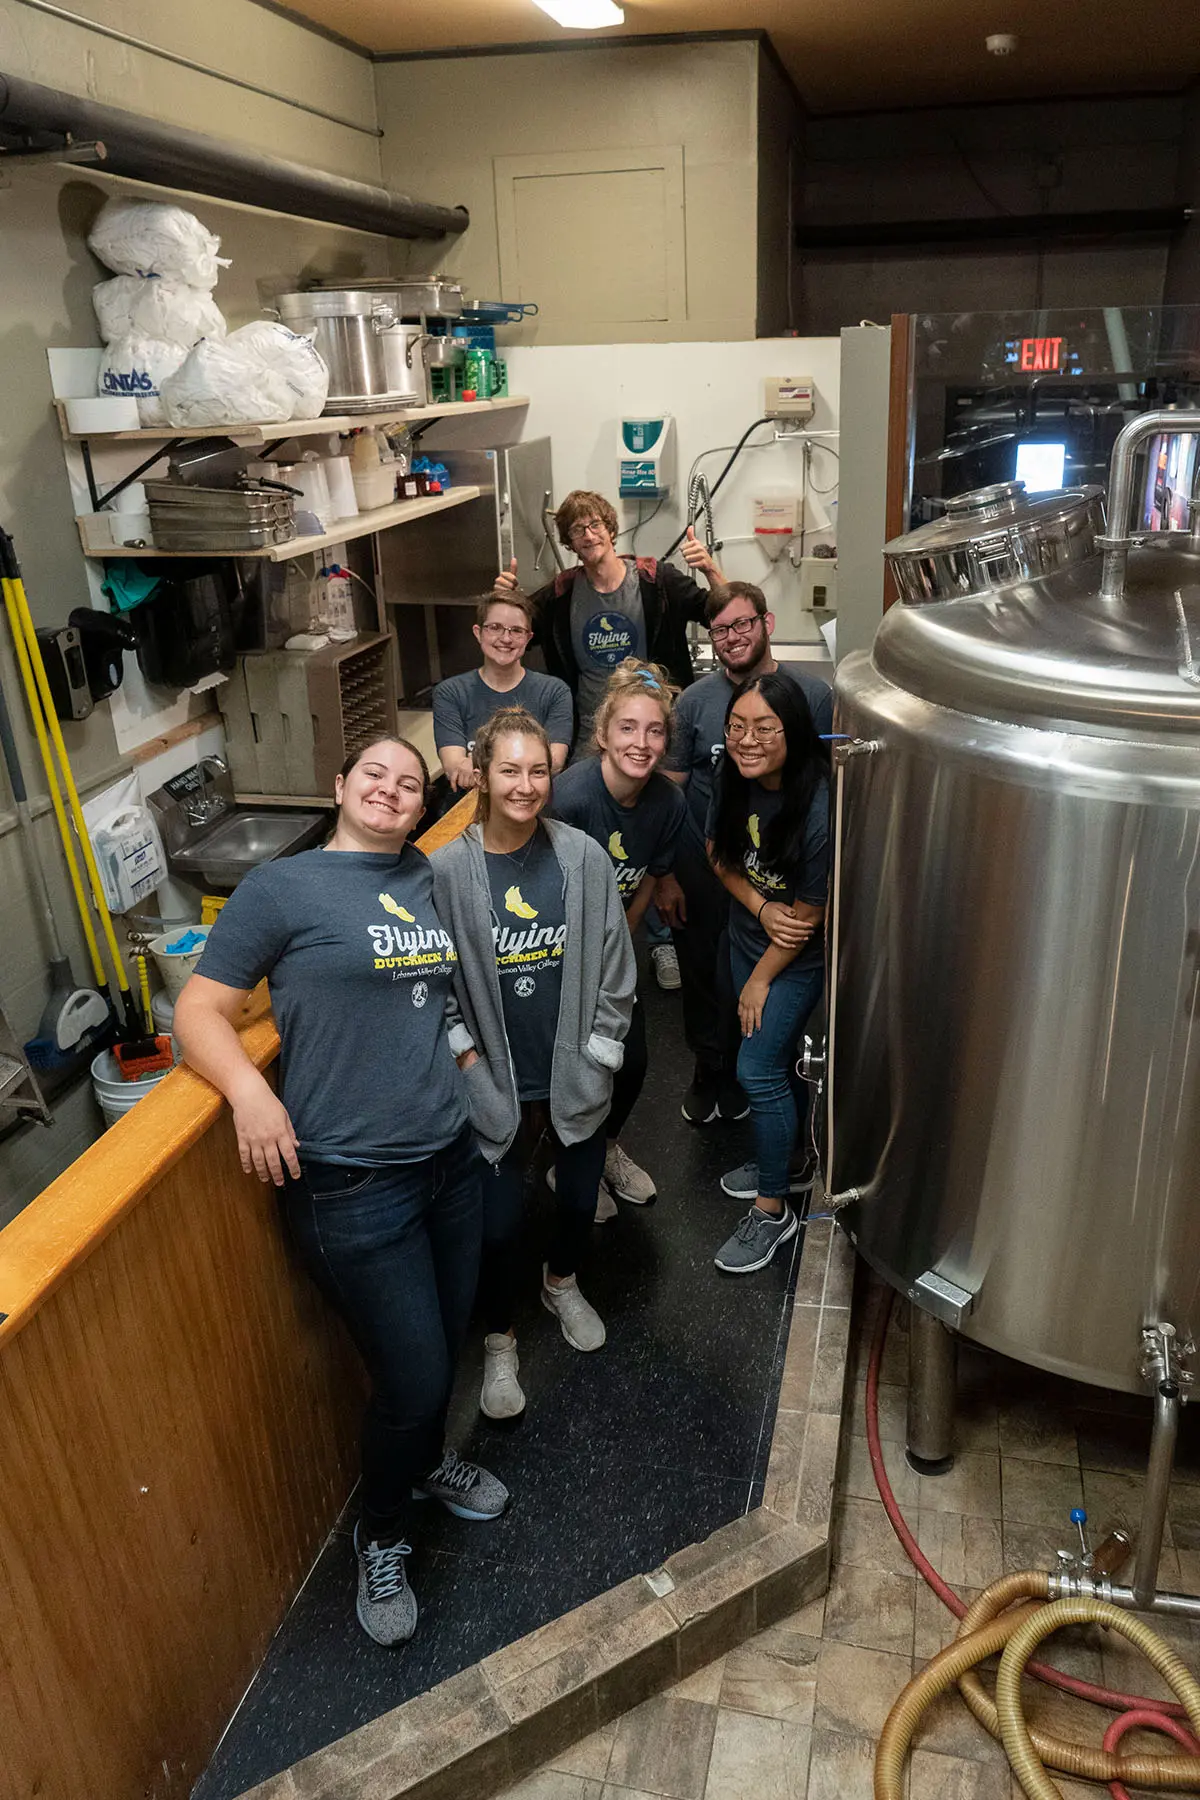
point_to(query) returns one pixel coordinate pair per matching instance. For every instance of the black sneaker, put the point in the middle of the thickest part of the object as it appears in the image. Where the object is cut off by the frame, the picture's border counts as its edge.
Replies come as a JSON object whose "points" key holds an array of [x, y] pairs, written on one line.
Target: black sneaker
{"points": [[700, 1103], [731, 1099]]}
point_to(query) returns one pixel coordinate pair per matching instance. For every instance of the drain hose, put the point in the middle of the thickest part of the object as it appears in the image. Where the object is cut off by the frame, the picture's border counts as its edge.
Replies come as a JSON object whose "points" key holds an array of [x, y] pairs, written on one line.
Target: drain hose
{"points": [[1016, 1633]]}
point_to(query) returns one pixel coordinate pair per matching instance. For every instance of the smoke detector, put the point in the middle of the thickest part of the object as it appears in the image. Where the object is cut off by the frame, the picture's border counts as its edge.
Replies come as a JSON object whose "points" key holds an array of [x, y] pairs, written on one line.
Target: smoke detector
{"points": [[1001, 43]]}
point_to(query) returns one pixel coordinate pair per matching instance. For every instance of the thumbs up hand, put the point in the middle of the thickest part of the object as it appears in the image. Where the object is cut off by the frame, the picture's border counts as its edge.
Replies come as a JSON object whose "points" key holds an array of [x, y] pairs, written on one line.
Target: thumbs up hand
{"points": [[506, 581], [695, 554]]}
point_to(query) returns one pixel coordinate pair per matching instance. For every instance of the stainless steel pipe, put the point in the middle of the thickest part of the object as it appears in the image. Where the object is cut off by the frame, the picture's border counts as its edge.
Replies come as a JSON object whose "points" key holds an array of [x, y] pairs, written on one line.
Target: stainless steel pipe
{"points": [[932, 1371], [1163, 1436], [1130, 439]]}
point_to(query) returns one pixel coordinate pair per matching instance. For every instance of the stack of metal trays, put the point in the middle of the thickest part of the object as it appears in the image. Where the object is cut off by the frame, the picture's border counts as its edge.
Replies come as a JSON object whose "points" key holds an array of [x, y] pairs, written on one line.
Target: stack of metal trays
{"points": [[211, 520]]}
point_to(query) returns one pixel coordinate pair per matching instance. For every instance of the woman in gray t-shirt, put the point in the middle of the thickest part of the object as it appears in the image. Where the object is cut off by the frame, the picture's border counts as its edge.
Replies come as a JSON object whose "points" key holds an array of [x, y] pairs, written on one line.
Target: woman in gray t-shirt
{"points": [[367, 1139]]}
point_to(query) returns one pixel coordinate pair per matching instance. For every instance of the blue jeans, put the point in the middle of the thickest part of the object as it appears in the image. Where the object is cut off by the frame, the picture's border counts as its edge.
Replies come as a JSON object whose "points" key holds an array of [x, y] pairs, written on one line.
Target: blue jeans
{"points": [[656, 931], [765, 1062], [396, 1252], [577, 1172]]}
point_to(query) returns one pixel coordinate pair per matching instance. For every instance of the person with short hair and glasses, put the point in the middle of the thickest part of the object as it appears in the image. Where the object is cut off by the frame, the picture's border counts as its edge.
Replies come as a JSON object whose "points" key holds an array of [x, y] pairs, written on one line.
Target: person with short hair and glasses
{"points": [[740, 625], [462, 703], [768, 840]]}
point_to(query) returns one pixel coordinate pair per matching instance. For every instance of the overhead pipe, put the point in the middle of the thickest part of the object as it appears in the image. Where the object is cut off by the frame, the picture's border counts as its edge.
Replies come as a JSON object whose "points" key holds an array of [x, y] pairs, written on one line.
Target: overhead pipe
{"points": [[170, 156]]}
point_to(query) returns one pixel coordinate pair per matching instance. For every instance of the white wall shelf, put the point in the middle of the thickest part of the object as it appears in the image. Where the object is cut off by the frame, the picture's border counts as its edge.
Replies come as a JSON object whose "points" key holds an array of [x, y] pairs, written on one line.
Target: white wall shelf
{"points": [[253, 436]]}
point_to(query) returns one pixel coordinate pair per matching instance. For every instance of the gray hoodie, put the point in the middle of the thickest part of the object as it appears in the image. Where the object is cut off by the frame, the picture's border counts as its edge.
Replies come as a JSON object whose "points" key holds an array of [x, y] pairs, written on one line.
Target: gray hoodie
{"points": [[599, 979]]}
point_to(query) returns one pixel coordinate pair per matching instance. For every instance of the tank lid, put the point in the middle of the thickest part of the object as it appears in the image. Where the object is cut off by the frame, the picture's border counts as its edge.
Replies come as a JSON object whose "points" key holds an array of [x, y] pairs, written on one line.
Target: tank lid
{"points": [[984, 511], [1053, 651]]}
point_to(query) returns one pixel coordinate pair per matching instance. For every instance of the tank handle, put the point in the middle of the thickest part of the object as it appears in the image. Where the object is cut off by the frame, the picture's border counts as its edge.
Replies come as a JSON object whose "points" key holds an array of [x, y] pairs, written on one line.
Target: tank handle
{"points": [[1120, 539]]}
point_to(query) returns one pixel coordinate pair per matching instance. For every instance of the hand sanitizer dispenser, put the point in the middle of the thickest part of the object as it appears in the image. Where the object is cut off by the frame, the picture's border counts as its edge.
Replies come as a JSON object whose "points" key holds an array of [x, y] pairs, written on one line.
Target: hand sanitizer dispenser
{"points": [[646, 458]]}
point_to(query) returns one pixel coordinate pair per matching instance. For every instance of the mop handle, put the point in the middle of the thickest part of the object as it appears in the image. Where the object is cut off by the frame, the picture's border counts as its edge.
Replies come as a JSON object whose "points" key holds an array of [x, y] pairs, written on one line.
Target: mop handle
{"points": [[64, 830], [56, 736], [144, 986]]}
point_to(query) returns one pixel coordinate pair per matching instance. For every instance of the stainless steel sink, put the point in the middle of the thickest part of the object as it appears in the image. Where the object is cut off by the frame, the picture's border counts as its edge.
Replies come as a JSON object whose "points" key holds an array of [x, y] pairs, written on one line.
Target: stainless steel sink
{"points": [[238, 841]]}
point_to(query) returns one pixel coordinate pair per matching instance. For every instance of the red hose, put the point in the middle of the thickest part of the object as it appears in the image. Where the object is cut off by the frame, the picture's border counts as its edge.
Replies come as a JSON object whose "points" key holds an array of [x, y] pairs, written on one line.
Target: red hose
{"points": [[1161, 1710], [1153, 1721]]}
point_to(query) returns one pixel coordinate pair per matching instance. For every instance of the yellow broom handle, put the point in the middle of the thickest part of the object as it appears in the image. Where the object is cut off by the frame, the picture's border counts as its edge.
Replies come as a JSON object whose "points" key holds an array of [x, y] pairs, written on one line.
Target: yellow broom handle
{"points": [[56, 736], [39, 730]]}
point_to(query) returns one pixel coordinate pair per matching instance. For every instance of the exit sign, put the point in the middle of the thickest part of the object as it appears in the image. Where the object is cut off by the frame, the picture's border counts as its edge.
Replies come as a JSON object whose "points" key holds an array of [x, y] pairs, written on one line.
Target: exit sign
{"points": [[1037, 354]]}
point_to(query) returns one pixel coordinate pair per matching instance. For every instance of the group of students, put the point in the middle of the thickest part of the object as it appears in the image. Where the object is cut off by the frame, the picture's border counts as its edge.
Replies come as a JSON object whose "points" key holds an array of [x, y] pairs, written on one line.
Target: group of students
{"points": [[441, 1017]]}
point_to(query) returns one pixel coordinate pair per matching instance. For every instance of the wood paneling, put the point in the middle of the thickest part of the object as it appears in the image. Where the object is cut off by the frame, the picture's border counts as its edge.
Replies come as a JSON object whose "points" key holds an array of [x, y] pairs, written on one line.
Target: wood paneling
{"points": [[179, 1422], [179, 1419]]}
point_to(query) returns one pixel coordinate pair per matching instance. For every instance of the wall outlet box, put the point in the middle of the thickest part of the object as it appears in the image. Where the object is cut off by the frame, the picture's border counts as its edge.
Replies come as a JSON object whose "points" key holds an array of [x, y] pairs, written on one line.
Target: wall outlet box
{"points": [[788, 397]]}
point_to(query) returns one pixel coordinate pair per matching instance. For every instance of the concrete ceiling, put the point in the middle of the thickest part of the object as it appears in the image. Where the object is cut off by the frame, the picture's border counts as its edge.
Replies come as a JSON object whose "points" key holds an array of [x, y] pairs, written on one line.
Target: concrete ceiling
{"points": [[845, 54]]}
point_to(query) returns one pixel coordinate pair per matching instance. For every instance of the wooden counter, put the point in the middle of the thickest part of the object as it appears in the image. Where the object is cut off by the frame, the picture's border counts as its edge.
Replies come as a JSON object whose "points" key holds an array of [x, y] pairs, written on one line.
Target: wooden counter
{"points": [[179, 1414]]}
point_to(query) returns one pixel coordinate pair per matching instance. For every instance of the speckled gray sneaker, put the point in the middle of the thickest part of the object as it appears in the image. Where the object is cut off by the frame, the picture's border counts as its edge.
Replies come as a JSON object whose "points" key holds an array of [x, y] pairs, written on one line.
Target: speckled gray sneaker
{"points": [[463, 1488], [387, 1606], [742, 1183], [755, 1241]]}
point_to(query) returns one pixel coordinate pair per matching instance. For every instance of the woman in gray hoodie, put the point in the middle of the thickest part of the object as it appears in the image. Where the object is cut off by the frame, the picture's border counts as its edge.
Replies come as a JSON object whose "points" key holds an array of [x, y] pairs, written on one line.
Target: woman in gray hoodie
{"points": [[541, 1004]]}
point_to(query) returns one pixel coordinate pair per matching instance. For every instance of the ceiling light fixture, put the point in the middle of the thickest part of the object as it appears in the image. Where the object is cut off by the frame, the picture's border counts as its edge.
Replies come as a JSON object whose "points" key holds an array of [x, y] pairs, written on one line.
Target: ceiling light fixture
{"points": [[583, 15]]}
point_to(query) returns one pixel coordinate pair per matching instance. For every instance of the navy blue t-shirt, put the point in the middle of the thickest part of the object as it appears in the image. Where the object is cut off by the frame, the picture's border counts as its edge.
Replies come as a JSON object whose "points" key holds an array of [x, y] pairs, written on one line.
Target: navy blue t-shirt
{"points": [[358, 968], [463, 703], [697, 737], [807, 881], [529, 930], [639, 840]]}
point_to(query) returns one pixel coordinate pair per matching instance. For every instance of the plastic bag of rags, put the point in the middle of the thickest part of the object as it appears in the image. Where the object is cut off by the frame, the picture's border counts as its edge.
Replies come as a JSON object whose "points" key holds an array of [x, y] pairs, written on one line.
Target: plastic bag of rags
{"points": [[138, 366], [294, 357], [155, 306], [144, 237], [222, 381]]}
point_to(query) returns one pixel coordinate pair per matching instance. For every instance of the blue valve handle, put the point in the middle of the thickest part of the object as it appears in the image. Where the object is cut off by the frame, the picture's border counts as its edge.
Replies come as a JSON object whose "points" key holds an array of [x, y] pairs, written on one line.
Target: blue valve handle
{"points": [[1079, 1520]]}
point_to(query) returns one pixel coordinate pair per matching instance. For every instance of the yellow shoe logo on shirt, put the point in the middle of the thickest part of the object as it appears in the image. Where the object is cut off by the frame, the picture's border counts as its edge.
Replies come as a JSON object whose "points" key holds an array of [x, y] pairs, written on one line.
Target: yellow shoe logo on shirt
{"points": [[604, 624], [514, 904], [616, 849], [395, 908], [752, 828]]}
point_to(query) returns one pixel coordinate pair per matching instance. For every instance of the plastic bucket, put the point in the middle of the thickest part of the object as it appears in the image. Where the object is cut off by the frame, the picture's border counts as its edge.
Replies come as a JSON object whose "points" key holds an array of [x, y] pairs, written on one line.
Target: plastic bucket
{"points": [[174, 966], [162, 1011], [113, 1095]]}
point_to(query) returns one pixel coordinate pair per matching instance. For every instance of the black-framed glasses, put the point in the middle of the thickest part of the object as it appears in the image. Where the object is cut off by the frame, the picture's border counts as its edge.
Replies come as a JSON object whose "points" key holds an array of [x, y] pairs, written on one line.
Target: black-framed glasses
{"points": [[739, 628], [586, 528], [506, 631]]}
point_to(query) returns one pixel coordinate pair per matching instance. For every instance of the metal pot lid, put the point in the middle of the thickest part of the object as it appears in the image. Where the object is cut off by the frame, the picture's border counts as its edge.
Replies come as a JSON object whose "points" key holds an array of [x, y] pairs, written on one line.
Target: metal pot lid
{"points": [[1052, 652], [985, 511]]}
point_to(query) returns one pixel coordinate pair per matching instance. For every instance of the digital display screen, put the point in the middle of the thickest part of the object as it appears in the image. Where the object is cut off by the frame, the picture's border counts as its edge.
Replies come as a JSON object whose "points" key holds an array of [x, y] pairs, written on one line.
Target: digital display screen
{"points": [[1041, 467]]}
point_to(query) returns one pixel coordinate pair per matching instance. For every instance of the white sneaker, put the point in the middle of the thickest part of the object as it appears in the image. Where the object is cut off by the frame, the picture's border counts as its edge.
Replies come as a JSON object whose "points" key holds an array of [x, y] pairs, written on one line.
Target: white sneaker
{"points": [[606, 1206], [581, 1324], [501, 1396], [666, 968], [626, 1180]]}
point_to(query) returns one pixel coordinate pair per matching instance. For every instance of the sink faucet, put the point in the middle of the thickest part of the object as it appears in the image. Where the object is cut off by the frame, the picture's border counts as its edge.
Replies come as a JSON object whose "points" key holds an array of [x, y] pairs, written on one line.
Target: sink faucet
{"points": [[206, 803]]}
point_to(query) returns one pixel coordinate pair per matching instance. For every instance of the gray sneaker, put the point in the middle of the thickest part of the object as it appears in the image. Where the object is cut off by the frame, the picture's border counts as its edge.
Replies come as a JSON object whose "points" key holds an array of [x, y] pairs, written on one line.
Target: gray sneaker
{"points": [[464, 1489], [387, 1606], [742, 1183], [755, 1241]]}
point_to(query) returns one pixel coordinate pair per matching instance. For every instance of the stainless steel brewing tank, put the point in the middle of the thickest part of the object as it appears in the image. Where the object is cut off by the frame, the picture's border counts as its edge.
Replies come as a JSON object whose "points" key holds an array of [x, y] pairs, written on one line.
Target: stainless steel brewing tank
{"points": [[1014, 1048]]}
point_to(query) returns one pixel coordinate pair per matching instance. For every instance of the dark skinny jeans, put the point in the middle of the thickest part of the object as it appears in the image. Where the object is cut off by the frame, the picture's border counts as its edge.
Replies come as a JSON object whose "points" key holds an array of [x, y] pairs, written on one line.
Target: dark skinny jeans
{"points": [[395, 1250], [577, 1172], [629, 1078]]}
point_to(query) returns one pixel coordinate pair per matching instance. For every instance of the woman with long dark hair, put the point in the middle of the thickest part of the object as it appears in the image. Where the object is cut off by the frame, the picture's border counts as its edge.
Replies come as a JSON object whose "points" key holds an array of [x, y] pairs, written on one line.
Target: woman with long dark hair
{"points": [[768, 840], [367, 1139]]}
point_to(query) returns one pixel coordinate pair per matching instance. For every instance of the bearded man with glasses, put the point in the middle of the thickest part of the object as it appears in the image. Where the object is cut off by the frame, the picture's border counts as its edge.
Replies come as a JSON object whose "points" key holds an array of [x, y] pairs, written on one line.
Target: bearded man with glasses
{"points": [[740, 627]]}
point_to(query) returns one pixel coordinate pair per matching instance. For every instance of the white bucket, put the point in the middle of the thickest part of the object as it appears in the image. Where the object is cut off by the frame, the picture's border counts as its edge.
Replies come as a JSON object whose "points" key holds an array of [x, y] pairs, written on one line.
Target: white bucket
{"points": [[175, 966], [162, 1011], [113, 1095]]}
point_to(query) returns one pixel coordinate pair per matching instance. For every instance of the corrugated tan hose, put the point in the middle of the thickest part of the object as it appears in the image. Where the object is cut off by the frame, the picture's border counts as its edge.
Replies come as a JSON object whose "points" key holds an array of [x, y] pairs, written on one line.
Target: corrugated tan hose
{"points": [[981, 1634]]}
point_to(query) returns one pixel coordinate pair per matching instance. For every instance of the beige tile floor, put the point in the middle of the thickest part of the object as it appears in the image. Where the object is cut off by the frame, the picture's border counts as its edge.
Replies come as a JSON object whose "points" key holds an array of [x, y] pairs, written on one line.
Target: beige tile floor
{"points": [[795, 1713]]}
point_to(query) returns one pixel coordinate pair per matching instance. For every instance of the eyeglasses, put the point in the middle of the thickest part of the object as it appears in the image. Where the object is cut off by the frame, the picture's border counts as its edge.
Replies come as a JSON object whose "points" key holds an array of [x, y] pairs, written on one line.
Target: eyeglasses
{"points": [[517, 632], [736, 732], [587, 528], [739, 628]]}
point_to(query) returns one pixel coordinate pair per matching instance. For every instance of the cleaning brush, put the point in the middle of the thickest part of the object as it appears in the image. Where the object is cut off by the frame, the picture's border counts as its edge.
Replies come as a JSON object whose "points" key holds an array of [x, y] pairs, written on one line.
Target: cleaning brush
{"points": [[143, 1055]]}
